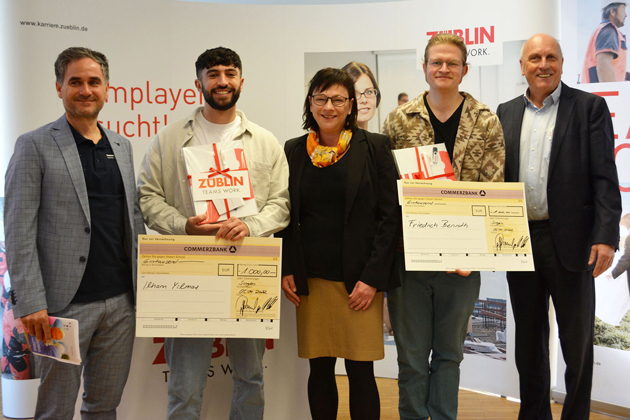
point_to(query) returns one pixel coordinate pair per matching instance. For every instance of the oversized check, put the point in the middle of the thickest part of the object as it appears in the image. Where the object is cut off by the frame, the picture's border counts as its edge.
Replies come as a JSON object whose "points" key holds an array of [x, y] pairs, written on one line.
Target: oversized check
{"points": [[199, 286], [466, 225]]}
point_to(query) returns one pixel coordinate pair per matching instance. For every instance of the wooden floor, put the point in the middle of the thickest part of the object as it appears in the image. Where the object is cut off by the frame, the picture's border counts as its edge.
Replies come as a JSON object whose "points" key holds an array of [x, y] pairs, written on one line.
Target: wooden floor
{"points": [[472, 405]]}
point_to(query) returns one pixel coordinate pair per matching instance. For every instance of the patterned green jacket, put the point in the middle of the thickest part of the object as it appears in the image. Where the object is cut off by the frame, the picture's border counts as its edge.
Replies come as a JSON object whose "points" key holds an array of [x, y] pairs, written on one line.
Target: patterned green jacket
{"points": [[479, 152]]}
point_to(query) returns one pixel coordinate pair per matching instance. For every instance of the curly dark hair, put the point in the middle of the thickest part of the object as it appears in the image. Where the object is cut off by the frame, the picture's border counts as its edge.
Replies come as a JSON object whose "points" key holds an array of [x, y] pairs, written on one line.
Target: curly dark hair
{"points": [[219, 56]]}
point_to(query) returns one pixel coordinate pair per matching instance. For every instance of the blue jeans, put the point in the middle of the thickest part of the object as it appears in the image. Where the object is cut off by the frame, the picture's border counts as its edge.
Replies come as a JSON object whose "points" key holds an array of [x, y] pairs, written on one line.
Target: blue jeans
{"points": [[189, 361], [429, 314]]}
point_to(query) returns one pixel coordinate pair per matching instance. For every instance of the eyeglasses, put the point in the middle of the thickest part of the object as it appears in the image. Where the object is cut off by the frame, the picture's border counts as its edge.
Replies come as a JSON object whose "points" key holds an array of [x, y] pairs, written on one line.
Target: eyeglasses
{"points": [[368, 93], [450, 64], [321, 100]]}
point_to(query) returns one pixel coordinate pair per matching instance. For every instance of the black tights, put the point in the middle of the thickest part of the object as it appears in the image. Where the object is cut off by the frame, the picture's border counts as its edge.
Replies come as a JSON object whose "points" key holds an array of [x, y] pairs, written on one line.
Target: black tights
{"points": [[322, 390]]}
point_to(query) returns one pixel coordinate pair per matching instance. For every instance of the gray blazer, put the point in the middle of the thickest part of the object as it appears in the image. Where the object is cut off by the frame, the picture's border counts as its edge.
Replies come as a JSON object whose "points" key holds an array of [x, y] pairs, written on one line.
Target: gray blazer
{"points": [[47, 216]]}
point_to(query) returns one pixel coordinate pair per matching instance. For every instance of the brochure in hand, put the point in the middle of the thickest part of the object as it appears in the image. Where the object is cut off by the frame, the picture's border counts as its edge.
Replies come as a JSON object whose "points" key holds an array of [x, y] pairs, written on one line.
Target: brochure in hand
{"points": [[65, 341]]}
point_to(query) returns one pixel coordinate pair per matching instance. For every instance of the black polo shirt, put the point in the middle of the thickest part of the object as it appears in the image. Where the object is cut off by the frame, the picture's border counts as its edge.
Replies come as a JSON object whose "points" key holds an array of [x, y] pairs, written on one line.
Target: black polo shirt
{"points": [[108, 269]]}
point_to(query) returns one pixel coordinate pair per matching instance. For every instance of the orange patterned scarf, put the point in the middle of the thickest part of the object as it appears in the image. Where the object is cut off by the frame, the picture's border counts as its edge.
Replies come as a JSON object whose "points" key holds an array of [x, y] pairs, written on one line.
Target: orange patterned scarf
{"points": [[322, 156]]}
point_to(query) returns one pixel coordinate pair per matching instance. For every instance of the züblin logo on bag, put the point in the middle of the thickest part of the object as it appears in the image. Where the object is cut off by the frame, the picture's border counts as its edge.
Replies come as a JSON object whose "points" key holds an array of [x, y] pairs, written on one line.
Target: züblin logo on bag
{"points": [[221, 182]]}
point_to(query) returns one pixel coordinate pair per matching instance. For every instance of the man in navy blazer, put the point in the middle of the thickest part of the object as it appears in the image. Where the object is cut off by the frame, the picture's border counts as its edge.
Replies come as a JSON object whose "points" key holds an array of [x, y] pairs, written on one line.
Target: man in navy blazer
{"points": [[559, 141], [71, 223]]}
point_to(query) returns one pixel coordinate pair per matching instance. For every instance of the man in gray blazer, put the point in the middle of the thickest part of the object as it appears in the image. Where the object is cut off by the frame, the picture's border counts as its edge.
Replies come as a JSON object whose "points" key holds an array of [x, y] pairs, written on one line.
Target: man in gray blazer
{"points": [[71, 222]]}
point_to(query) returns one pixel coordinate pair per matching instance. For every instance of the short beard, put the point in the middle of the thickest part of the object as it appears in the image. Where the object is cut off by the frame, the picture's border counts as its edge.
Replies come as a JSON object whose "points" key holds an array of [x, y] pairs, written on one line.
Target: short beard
{"points": [[215, 105], [79, 113]]}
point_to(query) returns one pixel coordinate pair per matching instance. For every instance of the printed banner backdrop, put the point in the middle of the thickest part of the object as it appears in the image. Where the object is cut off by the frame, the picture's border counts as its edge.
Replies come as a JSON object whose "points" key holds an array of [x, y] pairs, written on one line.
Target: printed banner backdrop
{"points": [[612, 326], [152, 48]]}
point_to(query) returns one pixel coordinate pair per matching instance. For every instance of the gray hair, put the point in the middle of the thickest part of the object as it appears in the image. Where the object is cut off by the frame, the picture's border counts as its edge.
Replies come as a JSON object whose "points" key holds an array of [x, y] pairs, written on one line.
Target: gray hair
{"points": [[612, 7], [77, 53]]}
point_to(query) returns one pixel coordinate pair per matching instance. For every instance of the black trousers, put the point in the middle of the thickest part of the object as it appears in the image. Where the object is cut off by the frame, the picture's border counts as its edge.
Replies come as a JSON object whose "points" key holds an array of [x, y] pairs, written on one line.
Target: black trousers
{"points": [[573, 295]]}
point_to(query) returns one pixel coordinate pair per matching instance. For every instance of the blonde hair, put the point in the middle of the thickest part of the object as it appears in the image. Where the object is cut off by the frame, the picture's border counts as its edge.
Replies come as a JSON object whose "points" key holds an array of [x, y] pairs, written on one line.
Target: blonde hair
{"points": [[447, 39]]}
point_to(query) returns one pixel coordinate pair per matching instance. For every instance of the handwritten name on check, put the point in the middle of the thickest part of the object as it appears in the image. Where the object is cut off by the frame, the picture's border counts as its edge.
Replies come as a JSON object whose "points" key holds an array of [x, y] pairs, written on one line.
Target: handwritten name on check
{"points": [[466, 225], [198, 286]]}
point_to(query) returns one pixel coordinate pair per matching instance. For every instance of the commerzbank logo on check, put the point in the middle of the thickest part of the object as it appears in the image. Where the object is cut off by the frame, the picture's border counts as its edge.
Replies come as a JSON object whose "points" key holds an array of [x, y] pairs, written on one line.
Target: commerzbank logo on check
{"points": [[480, 193], [266, 247], [221, 249]]}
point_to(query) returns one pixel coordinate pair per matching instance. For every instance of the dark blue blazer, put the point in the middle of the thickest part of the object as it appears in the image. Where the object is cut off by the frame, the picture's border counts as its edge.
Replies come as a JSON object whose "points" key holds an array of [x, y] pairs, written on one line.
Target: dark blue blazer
{"points": [[582, 188]]}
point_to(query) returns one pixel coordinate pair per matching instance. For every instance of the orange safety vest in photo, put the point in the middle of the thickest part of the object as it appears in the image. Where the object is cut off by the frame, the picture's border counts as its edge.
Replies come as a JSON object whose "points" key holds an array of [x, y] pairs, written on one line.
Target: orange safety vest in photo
{"points": [[589, 72]]}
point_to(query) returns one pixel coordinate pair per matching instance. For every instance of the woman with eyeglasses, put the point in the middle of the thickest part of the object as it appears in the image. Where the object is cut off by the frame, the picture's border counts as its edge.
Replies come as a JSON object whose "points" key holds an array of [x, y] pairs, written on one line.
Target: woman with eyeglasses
{"points": [[339, 247], [366, 91], [368, 99], [430, 311]]}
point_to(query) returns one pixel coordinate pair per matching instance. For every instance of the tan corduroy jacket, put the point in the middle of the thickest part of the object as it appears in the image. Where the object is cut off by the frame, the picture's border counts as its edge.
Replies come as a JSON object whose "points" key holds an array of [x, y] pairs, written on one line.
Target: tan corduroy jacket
{"points": [[479, 152]]}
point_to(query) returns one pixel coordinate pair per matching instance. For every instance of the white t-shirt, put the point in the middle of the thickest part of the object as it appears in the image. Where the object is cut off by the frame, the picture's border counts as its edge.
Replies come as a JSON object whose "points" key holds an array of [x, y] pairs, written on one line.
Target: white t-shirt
{"points": [[208, 133]]}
